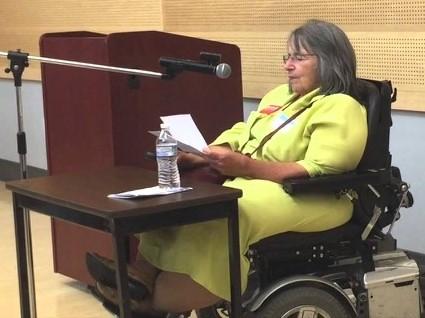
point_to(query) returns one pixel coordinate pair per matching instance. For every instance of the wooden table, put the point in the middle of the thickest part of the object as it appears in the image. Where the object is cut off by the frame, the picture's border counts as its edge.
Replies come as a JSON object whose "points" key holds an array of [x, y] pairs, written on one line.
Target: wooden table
{"points": [[81, 198]]}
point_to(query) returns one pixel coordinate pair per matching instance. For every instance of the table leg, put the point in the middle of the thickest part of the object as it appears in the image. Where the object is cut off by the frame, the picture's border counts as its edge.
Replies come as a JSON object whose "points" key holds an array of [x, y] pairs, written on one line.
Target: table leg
{"points": [[21, 256], [235, 267], [119, 245]]}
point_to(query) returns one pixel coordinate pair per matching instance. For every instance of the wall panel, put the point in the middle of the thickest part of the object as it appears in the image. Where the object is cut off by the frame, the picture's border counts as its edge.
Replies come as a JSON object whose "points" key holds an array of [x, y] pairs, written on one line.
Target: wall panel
{"points": [[261, 58], [382, 55], [189, 15], [24, 21], [388, 35]]}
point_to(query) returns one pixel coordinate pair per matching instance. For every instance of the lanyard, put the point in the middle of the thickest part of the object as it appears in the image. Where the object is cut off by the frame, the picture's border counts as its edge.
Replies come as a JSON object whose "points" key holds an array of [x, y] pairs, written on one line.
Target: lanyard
{"points": [[270, 135]]}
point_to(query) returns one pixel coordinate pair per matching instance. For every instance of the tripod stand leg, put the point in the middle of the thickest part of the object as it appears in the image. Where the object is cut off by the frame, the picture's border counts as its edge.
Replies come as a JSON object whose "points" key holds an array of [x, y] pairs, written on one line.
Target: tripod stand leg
{"points": [[18, 63]]}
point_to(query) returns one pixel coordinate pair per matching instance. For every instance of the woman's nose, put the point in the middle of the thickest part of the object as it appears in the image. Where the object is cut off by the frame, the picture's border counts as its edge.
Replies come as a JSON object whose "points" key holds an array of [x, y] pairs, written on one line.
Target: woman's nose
{"points": [[288, 65]]}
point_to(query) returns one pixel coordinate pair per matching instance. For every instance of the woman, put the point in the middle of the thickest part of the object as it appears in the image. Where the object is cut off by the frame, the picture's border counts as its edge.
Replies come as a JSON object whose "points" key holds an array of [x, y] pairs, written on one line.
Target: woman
{"points": [[186, 267]]}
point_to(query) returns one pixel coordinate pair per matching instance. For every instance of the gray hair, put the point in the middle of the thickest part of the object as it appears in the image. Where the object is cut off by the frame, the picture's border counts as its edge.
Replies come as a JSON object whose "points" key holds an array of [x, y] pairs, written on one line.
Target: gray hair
{"points": [[336, 56]]}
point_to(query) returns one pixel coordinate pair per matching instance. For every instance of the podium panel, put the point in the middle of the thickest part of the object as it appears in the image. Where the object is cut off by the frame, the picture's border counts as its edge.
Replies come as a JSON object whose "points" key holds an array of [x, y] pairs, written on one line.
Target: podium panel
{"points": [[97, 119]]}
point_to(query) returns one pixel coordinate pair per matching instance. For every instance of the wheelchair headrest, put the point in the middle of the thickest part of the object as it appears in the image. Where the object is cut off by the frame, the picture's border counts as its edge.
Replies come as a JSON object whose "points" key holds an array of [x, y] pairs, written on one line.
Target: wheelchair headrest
{"points": [[376, 97]]}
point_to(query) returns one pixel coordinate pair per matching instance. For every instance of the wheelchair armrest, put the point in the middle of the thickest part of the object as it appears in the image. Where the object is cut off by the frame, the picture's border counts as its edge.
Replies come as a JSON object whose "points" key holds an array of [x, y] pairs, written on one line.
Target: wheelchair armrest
{"points": [[336, 183]]}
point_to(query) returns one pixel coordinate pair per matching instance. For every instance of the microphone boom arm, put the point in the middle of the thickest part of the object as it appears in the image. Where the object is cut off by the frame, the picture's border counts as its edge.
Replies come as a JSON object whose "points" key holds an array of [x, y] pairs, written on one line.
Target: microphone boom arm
{"points": [[11, 54], [209, 63]]}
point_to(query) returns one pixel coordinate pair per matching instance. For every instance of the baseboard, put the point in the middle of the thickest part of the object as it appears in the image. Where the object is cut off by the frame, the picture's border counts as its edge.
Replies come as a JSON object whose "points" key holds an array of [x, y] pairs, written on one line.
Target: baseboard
{"points": [[9, 170]]}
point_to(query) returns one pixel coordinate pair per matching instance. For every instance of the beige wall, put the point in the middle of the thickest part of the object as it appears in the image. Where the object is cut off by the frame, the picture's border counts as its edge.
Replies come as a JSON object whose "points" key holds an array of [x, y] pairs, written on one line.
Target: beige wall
{"points": [[389, 36], [22, 22]]}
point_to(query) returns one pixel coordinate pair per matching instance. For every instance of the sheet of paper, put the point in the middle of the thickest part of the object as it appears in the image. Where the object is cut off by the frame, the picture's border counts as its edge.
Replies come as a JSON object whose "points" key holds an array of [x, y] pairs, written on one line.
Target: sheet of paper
{"points": [[185, 131], [147, 192]]}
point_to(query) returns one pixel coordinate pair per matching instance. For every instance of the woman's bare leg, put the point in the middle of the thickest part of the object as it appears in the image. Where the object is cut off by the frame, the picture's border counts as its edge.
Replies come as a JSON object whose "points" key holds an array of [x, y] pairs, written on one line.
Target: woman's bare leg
{"points": [[177, 293], [145, 269], [173, 292]]}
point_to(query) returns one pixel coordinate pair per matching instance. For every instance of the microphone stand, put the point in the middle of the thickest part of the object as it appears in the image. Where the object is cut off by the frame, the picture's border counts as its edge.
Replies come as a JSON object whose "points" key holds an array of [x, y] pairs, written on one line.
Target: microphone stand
{"points": [[18, 63]]}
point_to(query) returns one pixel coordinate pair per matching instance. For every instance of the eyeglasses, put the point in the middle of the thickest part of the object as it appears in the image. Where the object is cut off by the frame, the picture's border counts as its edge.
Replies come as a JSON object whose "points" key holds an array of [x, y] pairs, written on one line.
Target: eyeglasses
{"points": [[298, 57]]}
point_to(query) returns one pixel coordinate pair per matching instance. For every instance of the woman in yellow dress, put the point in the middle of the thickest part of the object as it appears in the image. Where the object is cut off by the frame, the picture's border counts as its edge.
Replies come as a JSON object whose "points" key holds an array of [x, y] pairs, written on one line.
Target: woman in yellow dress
{"points": [[186, 267]]}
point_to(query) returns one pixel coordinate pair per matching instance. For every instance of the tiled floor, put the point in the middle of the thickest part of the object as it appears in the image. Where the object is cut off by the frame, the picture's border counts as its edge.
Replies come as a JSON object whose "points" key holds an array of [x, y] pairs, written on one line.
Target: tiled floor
{"points": [[57, 296]]}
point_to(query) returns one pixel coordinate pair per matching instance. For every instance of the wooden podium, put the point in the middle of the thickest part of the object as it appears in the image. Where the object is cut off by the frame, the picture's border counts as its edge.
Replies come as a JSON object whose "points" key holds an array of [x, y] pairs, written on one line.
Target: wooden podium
{"points": [[96, 119]]}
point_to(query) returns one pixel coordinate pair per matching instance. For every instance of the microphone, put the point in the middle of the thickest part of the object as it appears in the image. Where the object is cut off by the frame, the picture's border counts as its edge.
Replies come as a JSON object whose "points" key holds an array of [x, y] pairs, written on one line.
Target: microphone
{"points": [[173, 65]]}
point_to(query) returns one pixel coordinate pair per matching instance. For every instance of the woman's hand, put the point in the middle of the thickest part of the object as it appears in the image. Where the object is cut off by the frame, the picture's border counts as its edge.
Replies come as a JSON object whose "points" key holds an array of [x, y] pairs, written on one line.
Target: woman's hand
{"points": [[226, 161]]}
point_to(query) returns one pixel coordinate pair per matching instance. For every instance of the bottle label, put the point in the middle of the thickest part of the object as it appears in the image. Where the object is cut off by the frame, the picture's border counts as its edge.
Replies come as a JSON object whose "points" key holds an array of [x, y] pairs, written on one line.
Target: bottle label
{"points": [[166, 151]]}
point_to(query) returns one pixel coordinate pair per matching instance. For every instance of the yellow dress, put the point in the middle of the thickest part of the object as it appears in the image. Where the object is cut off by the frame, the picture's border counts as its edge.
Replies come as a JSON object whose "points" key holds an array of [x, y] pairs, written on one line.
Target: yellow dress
{"points": [[328, 138]]}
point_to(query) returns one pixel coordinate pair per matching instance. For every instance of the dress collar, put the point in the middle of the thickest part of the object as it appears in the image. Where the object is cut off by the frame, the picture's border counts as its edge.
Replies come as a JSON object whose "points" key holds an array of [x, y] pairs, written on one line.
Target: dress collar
{"points": [[304, 101]]}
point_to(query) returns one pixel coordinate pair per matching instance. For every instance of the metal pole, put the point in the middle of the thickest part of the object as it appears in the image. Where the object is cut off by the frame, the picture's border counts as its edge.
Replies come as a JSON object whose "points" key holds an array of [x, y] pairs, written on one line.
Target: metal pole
{"points": [[17, 65], [92, 66], [27, 219]]}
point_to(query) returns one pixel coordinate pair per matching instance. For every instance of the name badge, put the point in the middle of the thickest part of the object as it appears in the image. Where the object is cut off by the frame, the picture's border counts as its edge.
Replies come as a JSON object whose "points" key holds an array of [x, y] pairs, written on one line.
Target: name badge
{"points": [[279, 120]]}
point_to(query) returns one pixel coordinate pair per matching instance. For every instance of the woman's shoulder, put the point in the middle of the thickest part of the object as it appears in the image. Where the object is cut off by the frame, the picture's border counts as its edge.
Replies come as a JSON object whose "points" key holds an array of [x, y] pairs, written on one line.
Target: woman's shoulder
{"points": [[339, 99], [339, 107]]}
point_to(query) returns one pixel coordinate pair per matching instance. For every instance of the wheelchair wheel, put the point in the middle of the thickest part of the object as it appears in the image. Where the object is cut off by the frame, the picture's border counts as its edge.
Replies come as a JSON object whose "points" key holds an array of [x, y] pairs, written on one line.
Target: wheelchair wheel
{"points": [[304, 302]]}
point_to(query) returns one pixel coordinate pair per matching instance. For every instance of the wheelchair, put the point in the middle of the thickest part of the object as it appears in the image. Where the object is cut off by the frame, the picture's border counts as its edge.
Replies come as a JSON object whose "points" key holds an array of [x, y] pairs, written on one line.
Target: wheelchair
{"points": [[355, 270]]}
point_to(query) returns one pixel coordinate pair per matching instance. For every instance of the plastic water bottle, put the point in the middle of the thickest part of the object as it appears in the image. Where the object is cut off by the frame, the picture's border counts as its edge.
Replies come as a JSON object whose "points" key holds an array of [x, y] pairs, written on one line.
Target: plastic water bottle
{"points": [[166, 157]]}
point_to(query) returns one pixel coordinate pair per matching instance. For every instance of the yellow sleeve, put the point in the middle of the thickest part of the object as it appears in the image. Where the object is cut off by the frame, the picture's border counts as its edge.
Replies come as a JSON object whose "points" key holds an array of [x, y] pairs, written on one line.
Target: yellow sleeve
{"points": [[338, 133], [231, 136]]}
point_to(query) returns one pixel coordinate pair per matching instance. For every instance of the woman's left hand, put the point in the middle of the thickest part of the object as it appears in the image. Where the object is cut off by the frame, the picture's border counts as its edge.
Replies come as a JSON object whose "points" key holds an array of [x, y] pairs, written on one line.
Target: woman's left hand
{"points": [[226, 161]]}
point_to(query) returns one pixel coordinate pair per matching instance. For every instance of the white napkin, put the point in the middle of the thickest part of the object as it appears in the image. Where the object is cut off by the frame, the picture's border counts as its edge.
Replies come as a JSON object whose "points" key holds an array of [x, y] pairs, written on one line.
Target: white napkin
{"points": [[147, 192]]}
